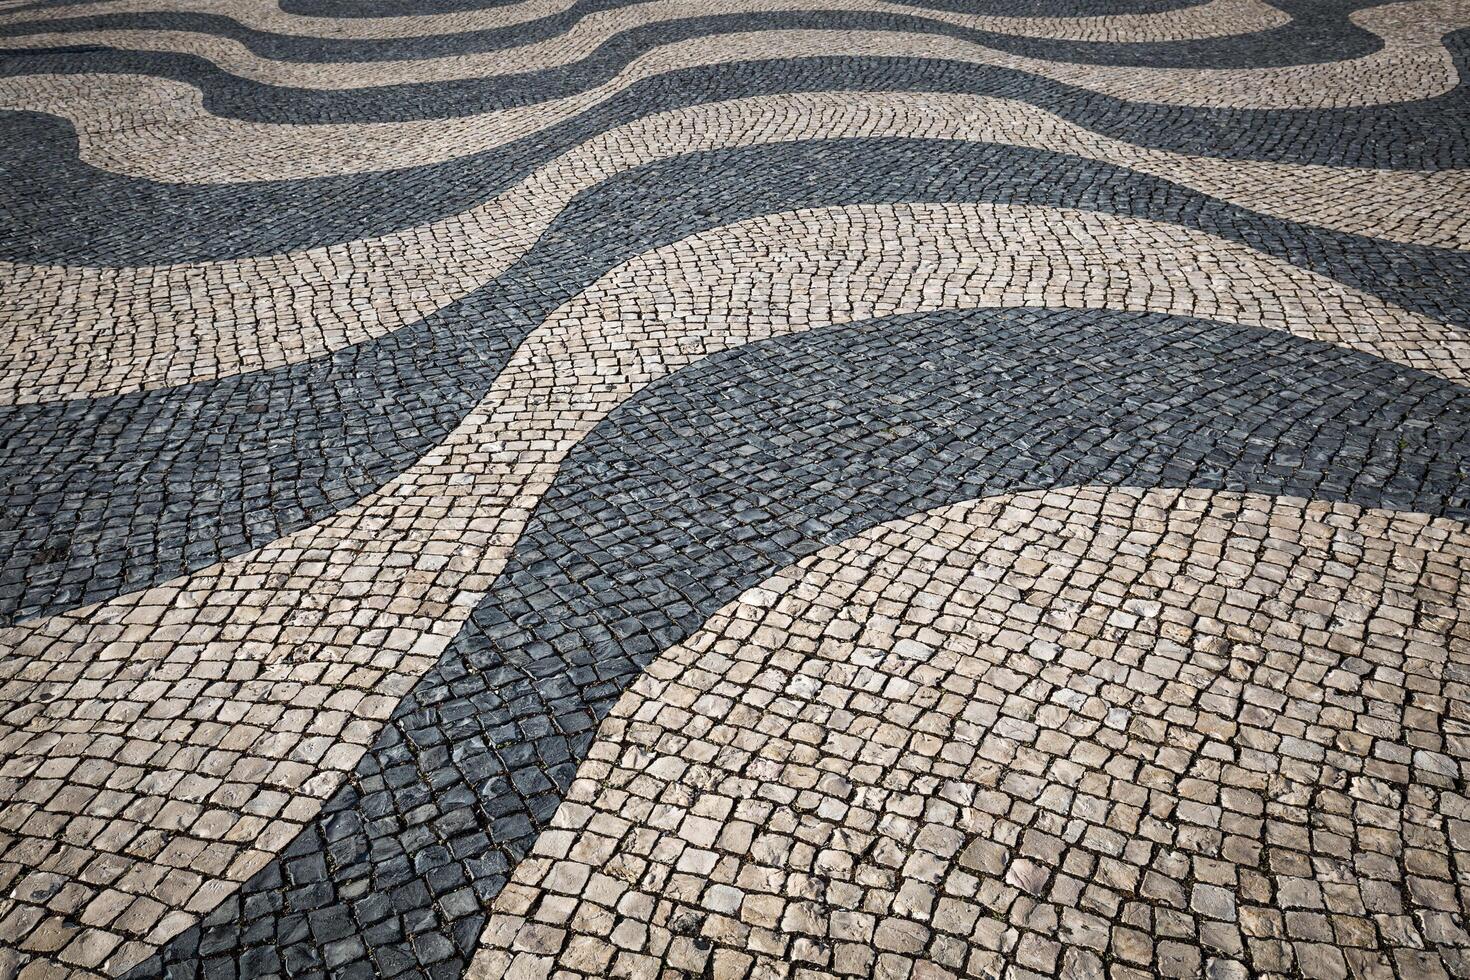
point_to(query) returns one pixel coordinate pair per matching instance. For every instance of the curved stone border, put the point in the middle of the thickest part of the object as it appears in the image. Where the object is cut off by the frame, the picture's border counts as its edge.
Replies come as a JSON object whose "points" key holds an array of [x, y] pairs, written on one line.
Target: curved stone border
{"points": [[1173, 732], [93, 217], [179, 139], [269, 16], [939, 406], [598, 28], [180, 478], [327, 755], [79, 331]]}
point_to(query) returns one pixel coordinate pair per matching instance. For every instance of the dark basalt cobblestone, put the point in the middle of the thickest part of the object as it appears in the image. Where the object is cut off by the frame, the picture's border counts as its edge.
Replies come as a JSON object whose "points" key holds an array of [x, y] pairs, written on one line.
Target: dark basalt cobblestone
{"points": [[707, 482], [121, 493], [1319, 31], [1026, 736], [1028, 8], [404, 8], [907, 639], [323, 49], [64, 211]]}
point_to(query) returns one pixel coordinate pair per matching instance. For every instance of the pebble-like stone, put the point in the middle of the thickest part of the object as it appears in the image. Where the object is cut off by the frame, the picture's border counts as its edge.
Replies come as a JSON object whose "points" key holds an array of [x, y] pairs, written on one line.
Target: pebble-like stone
{"points": [[957, 583], [868, 488]]}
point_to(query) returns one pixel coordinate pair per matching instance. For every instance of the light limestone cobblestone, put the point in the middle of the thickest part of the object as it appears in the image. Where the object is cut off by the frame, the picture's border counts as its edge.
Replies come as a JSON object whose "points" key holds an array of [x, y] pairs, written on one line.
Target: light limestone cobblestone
{"points": [[85, 331], [1214, 18], [271, 673], [387, 401], [174, 135], [1217, 17], [908, 736]]}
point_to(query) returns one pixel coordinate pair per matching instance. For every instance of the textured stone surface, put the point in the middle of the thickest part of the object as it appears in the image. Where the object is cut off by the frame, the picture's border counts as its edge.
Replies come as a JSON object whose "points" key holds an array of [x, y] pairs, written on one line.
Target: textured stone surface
{"points": [[314, 307], [1152, 730], [588, 488], [278, 61], [178, 133]]}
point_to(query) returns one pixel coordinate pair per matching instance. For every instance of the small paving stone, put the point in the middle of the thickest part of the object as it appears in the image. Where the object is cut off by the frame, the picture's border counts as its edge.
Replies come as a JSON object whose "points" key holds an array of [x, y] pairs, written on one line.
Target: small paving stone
{"points": [[672, 488], [977, 567]]}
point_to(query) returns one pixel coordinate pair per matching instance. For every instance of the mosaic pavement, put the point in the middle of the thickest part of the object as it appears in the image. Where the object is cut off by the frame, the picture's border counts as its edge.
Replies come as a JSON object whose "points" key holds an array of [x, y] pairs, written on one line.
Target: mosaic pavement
{"points": [[773, 488]]}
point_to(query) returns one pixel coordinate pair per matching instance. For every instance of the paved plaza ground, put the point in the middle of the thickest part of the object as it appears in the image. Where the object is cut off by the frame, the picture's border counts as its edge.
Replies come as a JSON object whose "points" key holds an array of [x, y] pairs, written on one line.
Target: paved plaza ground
{"points": [[799, 489]]}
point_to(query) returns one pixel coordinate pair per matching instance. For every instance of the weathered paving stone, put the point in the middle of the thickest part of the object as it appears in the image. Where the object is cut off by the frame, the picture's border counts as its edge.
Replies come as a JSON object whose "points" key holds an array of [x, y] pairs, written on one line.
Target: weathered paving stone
{"points": [[1226, 32], [868, 488], [314, 309], [940, 684], [111, 219], [286, 447], [604, 577]]}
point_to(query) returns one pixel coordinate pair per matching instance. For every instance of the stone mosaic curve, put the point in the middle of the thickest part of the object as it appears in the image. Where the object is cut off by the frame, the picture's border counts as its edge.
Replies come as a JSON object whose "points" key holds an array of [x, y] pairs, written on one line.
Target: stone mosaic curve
{"points": [[520, 21], [406, 565], [526, 47], [1039, 732], [288, 446], [440, 406], [65, 341], [118, 221], [220, 222], [355, 21], [179, 116], [476, 760], [1039, 8]]}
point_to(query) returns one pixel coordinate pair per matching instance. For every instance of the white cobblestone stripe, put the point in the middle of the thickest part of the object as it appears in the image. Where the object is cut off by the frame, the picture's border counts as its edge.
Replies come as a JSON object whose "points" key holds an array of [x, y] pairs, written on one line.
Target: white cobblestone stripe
{"points": [[269, 15], [225, 669], [567, 489], [1213, 19], [85, 331], [1183, 21], [169, 134], [1088, 732]]}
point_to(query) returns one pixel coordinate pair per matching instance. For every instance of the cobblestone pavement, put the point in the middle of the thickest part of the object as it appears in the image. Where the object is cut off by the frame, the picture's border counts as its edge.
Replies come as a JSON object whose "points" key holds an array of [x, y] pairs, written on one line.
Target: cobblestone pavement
{"points": [[777, 488]]}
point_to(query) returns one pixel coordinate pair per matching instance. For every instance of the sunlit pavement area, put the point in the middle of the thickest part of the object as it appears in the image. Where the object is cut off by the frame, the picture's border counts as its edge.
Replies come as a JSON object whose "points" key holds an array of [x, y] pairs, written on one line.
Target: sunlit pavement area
{"points": [[770, 488]]}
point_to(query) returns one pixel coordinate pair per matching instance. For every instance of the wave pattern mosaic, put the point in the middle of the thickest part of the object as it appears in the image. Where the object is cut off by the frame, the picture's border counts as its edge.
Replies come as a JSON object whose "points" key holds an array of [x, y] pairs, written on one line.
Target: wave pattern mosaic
{"points": [[661, 488]]}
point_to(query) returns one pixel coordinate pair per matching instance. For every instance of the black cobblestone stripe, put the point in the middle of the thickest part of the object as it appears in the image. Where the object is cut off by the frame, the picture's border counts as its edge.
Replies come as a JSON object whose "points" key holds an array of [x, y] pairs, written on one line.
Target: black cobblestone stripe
{"points": [[409, 8], [291, 47], [61, 210], [114, 494], [1319, 31], [239, 98], [707, 482], [1032, 8]]}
